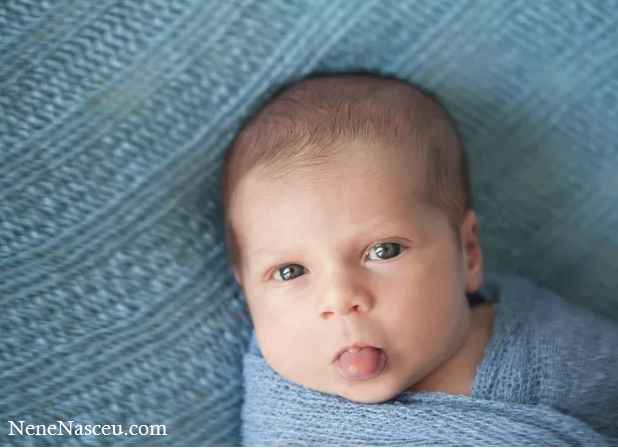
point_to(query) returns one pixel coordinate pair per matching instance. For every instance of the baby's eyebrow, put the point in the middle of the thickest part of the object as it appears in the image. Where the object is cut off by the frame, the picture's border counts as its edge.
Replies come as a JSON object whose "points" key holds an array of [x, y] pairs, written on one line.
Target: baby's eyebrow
{"points": [[368, 235], [268, 253]]}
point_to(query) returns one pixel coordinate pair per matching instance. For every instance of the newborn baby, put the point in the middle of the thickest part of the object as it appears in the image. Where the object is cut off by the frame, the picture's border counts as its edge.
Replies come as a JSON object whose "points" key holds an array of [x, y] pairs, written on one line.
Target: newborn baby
{"points": [[351, 230]]}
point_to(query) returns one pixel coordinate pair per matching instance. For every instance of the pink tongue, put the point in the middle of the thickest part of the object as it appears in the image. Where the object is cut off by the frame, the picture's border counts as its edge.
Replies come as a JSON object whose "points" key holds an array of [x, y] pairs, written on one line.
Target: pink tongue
{"points": [[363, 362]]}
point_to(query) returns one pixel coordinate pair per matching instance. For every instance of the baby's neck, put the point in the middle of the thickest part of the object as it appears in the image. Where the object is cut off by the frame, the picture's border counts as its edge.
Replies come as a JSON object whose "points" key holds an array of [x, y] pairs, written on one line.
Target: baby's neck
{"points": [[456, 376]]}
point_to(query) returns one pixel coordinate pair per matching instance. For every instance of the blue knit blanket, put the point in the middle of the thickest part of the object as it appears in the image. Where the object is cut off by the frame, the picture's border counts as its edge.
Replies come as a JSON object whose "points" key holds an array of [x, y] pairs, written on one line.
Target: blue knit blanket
{"points": [[548, 377], [117, 302]]}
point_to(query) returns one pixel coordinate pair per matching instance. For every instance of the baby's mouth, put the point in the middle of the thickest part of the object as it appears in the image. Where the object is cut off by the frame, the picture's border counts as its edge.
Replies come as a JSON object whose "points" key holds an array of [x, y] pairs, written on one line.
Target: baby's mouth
{"points": [[360, 363]]}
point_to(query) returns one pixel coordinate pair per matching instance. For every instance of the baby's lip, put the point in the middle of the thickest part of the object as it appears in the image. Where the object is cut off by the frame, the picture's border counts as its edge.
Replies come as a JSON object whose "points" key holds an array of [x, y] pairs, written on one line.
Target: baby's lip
{"points": [[365, 365], [356, 345]]}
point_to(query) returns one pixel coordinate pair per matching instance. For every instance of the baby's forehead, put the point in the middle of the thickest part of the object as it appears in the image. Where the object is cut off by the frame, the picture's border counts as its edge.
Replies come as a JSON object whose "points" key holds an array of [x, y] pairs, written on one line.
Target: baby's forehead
{"points": [[341, 212], [364, 181]]}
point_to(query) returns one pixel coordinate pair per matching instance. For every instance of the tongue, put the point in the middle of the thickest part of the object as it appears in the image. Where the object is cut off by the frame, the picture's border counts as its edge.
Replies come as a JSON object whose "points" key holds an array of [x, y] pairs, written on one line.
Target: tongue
{"points": [[360, 363]]}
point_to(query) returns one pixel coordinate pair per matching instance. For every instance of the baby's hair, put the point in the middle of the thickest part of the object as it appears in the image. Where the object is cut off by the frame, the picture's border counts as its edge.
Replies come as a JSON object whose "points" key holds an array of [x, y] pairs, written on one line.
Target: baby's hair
{"points": [[311, 123]]}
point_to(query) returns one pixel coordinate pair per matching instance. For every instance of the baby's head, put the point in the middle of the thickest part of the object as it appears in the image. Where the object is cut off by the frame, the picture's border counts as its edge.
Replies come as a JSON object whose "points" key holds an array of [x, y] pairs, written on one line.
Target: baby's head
{"points": [[349, 224]]}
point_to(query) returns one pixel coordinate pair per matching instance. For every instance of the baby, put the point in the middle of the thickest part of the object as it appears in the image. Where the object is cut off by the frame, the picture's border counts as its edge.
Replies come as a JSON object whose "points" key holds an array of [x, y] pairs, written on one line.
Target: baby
{"points": [[351, 230]]}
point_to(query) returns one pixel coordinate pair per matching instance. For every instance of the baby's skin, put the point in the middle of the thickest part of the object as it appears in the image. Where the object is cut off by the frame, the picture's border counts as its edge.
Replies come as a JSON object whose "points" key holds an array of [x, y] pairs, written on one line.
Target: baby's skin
{"points": [[355, 287]]}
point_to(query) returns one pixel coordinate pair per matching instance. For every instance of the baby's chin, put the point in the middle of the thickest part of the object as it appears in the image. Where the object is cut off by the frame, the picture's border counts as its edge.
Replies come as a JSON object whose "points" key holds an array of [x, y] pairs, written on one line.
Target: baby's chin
{"points": [[377, 390], [369, 397]]}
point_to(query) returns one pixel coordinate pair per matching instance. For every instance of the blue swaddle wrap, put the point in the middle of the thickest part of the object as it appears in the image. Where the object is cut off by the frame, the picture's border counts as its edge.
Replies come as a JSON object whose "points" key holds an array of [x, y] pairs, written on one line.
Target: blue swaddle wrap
{"points": [[548, 377]]}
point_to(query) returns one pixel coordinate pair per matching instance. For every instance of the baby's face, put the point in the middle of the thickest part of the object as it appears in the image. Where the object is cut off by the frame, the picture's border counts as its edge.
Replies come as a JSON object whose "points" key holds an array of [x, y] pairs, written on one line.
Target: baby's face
{"points": [[346, 257]]}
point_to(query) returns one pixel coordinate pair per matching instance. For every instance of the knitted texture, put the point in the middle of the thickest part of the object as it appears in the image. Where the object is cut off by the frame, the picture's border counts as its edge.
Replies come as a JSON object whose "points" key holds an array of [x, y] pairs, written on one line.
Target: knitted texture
{"points": [[118, 306], [548, 378]]}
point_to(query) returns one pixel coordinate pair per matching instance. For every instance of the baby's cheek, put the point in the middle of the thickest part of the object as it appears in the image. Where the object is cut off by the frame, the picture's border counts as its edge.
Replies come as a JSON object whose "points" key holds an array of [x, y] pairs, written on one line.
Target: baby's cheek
{"points": [[289, 345], [421, 315]]}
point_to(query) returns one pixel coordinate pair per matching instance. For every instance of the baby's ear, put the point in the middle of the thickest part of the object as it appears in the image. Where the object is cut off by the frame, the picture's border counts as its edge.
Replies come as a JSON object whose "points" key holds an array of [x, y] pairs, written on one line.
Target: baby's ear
{"points": [[471, 245]]}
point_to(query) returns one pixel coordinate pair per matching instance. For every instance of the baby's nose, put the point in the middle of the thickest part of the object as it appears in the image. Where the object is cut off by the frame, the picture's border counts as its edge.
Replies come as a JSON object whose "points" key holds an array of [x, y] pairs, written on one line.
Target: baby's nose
{"points": [[346, 296]]}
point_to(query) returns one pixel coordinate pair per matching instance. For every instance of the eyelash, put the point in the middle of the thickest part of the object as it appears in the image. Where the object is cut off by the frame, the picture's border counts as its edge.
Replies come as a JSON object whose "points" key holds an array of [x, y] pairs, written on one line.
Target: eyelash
{"points": [[403, 248]]}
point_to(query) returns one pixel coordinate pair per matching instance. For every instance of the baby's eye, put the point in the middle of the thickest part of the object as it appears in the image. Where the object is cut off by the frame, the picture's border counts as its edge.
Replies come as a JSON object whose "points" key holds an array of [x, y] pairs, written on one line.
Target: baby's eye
{"points": [[289, 272], [384, 251]]}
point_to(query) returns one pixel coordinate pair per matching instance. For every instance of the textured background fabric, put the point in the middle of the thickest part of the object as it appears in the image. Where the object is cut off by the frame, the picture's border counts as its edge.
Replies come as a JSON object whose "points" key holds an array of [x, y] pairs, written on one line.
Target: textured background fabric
{"points": [[117, 303]]}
